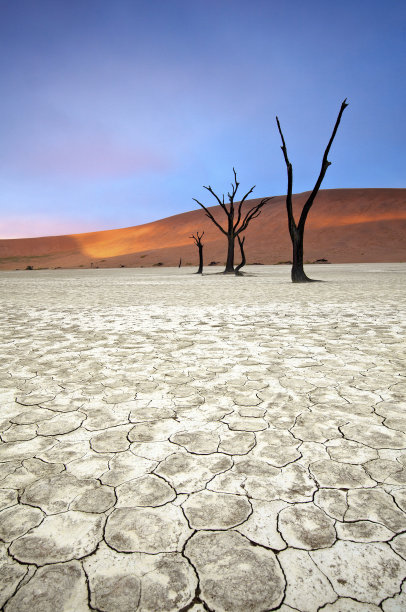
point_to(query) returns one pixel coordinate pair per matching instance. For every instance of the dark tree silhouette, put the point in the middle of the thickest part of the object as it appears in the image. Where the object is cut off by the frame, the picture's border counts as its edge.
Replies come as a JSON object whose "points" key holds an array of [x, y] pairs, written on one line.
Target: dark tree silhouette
{"points": [[236, 222], [199, 244], [243, 260], [296, 231]]}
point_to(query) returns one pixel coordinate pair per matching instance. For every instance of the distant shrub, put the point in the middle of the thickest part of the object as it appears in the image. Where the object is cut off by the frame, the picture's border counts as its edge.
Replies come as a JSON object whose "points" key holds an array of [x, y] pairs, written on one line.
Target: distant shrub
{"points": [[29, 268]]}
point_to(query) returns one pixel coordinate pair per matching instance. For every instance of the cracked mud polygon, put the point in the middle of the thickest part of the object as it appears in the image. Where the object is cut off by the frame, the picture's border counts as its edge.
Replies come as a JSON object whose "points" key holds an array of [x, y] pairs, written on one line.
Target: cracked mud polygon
{"points": [[173, 442]]}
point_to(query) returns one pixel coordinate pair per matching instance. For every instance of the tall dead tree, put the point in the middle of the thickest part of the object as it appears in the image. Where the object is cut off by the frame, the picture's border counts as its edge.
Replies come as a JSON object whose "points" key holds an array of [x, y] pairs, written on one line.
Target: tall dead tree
{"points": [[199, 244], [243, 260], [296, 230], [236, 221]]}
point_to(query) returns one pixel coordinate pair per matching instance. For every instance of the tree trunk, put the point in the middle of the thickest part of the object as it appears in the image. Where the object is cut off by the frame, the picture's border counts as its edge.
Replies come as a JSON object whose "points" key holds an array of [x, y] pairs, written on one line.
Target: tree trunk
{"points": [[230, 256], [243, 260], [298, 274], [296, 231], [200, 270]]}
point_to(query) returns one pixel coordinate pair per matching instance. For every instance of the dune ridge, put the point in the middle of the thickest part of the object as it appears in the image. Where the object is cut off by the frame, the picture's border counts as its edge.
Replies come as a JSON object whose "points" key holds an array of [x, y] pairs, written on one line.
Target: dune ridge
{"points": [[344, 225]]}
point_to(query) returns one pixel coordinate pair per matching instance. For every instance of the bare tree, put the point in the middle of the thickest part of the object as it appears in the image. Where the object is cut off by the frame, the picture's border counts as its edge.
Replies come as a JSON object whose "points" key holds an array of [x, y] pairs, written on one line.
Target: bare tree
{"points": [[296, 231], [236, 221], [243, 260], [199, 244]]}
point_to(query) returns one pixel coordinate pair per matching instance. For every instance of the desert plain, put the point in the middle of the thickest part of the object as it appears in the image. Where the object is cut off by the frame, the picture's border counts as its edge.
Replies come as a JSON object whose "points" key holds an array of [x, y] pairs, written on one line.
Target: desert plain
{"points": [[177, 442]]}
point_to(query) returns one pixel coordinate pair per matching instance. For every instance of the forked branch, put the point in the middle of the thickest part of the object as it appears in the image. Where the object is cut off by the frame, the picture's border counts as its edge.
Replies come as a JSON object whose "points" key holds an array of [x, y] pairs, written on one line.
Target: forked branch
{"points": [[297, 230], [240, 206], [324, 165], [220, 201], [197, 238], [254, 212]]}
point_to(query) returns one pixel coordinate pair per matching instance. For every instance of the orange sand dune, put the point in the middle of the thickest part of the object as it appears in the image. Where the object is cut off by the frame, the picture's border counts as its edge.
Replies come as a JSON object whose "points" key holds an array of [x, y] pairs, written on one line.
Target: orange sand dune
{"points": [[344, 225]]}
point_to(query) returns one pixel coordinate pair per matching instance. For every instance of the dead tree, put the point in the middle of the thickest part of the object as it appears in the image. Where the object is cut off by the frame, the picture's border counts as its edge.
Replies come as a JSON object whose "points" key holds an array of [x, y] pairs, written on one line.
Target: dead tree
{"points": [[199, 244], [243, 260], [296, 231], [236, 221]]}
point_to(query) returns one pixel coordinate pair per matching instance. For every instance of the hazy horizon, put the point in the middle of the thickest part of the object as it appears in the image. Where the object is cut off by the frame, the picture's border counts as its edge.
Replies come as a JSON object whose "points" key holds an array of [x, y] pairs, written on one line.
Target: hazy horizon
{"points": [[95, 231]]}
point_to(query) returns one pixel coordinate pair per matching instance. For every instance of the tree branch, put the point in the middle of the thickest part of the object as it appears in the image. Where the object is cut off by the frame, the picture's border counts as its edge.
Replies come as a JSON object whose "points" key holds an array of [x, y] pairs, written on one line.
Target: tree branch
{"points": [[208, 214], [254, 212], [197, 238], [234, 186], [324, 165], [289, 207], [240, 205], [221, 202]]}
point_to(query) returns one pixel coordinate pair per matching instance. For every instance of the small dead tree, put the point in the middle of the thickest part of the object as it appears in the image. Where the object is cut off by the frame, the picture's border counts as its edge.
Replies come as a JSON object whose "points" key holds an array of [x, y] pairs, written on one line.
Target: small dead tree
{"points": [[236, 221], [199, 244], [243, 260], [296, 231]]}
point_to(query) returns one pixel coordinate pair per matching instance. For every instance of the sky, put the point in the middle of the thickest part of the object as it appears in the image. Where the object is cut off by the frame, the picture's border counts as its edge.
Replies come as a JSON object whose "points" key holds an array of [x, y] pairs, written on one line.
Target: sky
{"points": [[115, 114]]}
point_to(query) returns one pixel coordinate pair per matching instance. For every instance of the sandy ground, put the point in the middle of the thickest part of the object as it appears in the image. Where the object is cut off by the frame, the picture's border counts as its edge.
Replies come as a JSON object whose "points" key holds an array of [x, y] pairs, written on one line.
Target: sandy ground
{"points": [[175, 442]]}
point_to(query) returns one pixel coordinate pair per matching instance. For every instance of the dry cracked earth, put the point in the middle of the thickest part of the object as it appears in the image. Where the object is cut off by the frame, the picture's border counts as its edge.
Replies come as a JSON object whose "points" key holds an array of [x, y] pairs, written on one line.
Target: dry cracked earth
{"points": [[172, 442]]}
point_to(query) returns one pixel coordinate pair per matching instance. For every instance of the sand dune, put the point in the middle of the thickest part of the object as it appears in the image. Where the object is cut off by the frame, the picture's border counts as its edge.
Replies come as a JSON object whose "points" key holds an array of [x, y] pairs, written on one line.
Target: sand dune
{"points": [[344, 225]]}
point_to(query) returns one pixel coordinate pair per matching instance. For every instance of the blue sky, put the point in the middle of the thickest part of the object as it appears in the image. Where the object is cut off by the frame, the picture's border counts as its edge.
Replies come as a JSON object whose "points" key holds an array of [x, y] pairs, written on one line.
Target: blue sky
{"points": [[116, 113]]}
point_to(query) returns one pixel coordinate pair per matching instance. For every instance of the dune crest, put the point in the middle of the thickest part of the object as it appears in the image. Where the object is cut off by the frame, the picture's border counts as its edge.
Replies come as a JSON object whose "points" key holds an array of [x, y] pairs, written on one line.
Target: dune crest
{"points": [[345, 225]]}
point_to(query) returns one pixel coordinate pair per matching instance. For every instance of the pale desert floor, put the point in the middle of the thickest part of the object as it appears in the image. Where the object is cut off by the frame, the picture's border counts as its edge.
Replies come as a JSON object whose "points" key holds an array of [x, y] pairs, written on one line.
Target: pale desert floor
{"points": [[175, 442]]}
